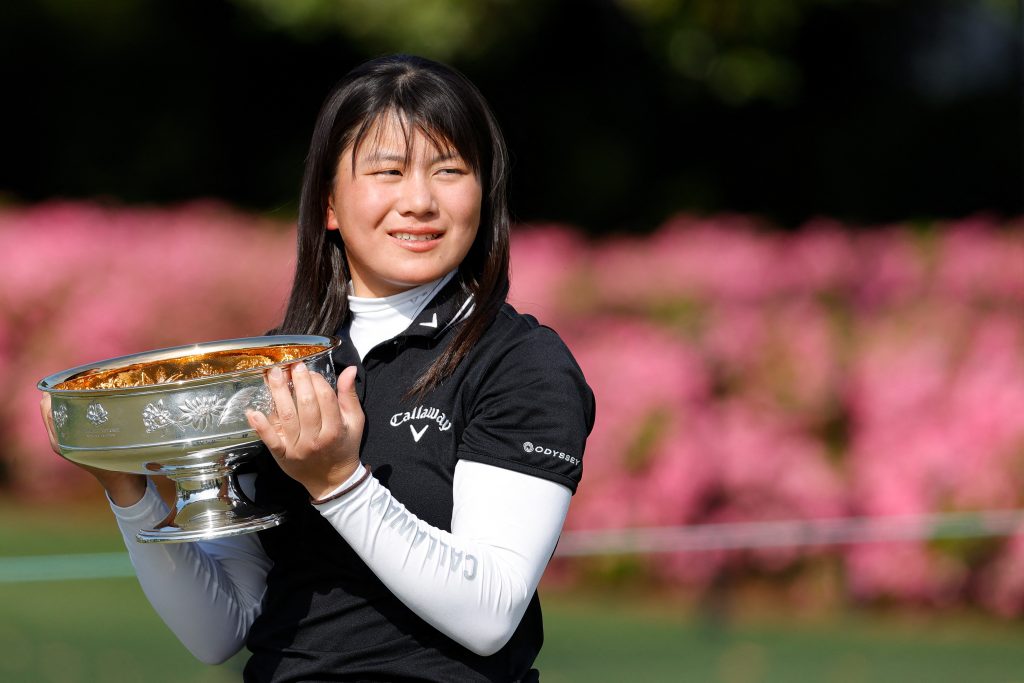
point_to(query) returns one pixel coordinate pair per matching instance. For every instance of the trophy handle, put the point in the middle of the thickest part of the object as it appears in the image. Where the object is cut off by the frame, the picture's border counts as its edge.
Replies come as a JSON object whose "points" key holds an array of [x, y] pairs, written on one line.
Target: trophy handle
{"points": [[209, 504]]}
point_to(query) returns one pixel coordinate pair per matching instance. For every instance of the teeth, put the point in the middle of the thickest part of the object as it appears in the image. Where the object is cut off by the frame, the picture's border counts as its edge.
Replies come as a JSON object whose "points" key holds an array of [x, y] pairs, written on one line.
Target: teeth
{"points": [[415, 238]]}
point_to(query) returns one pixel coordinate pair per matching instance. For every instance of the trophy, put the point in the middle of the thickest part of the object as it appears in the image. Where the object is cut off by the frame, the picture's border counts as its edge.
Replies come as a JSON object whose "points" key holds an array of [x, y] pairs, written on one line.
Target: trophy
{"points": [[181, 412]]}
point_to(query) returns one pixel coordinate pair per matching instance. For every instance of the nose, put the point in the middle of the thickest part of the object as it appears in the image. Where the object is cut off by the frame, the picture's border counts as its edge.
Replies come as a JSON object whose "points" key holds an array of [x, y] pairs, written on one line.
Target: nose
{"points": [[417, 197]]}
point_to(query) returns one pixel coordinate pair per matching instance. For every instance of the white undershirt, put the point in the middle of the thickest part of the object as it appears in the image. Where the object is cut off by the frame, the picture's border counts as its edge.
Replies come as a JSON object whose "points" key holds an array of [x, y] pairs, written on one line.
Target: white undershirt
{"points": [[473, 583], [377, 320]]}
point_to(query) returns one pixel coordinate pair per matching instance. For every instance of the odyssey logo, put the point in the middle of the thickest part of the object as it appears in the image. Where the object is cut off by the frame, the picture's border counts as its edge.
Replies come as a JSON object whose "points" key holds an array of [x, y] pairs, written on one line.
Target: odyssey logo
{"points": [[529, 447]]}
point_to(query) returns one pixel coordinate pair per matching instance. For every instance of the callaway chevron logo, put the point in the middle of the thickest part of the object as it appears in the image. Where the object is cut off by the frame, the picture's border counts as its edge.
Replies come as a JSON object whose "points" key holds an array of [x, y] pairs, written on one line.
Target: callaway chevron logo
{"points": [[431, 415]]}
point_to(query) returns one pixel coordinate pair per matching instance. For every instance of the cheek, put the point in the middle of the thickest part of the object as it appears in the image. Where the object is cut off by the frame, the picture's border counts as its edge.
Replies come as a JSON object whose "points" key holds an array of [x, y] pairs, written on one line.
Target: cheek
{"points": [[469, 235], [363, 209], [468, 203]]}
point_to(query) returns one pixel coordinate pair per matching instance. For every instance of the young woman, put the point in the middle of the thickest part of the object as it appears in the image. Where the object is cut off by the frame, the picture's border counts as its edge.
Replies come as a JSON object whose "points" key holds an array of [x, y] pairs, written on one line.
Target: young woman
{"points": [[471, 418]]}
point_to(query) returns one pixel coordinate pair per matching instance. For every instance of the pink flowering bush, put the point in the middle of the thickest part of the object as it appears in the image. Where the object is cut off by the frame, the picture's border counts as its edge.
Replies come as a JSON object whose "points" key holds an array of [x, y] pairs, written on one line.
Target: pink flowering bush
{"points": [[748, 375], [82, 283], [741, 374]]}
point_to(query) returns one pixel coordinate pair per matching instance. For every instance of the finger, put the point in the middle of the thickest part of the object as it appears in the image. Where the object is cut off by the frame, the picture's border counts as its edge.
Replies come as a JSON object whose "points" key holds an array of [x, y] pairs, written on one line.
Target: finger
{"points": [[348, 400], [287, 424], [306, 401], [47, 413], [330, 411], [266, 431], [44, 411]]}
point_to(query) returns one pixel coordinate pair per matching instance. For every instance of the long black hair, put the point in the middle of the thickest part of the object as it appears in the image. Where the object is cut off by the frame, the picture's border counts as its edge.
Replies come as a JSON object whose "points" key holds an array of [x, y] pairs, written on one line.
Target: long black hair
{"points": [[448, 109]]}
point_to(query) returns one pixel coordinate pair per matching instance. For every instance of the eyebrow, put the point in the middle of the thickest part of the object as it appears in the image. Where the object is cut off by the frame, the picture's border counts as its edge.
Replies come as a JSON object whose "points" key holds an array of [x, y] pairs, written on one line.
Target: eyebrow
{"points": [[446, 156], [401, 158], [380, 156]]}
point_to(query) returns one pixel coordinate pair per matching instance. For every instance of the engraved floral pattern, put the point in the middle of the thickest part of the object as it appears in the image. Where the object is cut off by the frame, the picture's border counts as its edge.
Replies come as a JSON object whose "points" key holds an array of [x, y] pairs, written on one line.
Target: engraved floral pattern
{"points": [[97, 414], [262, 400], [201, 411], [60, 416], [249, 398], [156, 416]]}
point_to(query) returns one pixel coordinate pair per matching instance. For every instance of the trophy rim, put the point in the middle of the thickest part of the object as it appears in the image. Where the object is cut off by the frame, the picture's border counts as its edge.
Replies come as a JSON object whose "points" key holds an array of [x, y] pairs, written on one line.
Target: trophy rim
{"points": [[48, 383]]}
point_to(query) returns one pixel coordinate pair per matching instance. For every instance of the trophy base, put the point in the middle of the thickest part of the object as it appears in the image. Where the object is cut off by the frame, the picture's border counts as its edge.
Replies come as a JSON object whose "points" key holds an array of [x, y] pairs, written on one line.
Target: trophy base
{"points": [[209, 526], [209, 504]]}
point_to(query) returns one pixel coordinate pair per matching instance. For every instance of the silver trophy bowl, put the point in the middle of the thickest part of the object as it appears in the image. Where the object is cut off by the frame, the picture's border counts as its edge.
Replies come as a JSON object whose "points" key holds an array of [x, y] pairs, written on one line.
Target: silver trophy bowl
{"points": [[180, 412]]}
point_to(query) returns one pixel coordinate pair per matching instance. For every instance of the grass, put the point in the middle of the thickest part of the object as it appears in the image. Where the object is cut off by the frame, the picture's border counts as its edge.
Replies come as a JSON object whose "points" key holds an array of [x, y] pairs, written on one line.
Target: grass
{"points": [[90, 630], [103, 630], [609, 640]]}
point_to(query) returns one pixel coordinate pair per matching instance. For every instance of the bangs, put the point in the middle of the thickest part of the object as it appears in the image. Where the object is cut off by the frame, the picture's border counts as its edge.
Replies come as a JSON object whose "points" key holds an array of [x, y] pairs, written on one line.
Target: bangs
{"points": [[442, 119]]}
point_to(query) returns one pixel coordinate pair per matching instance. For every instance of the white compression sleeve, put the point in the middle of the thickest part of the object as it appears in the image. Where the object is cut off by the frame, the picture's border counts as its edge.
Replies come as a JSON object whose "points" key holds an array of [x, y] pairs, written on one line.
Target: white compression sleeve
{"points": [[207, 592], [474, 583]]}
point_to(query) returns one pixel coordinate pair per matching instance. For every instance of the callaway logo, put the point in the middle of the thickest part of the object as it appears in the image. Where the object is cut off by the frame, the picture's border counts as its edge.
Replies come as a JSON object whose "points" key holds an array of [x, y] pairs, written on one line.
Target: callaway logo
{"points": [[530, 448], [422, 413]]}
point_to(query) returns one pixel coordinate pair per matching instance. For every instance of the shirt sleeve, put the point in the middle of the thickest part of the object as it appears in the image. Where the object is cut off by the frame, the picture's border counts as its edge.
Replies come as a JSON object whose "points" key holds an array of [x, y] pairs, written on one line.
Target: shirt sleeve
{"points": [[474, 583], [207, 592], [533, 412]]}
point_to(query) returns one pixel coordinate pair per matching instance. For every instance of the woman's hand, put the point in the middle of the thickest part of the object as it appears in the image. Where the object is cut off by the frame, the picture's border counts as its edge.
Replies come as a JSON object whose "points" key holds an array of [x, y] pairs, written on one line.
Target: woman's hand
{"points": [[315, 437], [123, 488]]}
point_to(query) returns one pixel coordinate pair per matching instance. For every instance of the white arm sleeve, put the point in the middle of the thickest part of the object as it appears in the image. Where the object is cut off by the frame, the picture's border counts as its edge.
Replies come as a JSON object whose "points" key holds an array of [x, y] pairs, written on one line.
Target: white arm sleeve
{"points": [[207, 592], [474, 583]]}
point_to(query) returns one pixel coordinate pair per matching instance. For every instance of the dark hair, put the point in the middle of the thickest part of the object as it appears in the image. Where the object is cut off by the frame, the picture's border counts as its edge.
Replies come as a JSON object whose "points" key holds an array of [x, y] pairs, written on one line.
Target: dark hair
{"points": [[449, 110]]}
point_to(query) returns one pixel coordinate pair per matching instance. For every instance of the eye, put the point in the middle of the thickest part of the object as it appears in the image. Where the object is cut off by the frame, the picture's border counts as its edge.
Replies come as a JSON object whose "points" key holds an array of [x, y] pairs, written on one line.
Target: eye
{"points": [[452, 170], [393, 172]]}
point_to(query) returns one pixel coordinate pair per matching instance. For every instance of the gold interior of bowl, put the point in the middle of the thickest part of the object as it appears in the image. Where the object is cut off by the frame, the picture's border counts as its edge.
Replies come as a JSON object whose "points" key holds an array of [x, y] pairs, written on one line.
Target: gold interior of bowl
{"points": [[186, 367]]}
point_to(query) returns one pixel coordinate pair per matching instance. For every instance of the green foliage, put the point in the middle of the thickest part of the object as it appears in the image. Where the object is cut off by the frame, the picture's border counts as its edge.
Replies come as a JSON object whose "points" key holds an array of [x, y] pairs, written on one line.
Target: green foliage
{"points": [[834, 430], [649, 435], [440, 29], [617, 572], [736, 49], [970, 551]]}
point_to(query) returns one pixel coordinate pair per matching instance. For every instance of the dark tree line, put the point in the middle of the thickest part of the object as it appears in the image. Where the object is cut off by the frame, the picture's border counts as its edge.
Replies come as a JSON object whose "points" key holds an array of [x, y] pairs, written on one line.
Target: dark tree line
{"points": [[868, 111]]}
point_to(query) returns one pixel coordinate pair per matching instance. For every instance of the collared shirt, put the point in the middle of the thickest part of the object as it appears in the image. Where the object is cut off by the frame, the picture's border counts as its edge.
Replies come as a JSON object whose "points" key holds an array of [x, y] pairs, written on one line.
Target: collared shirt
{"points": [[518, 400]]}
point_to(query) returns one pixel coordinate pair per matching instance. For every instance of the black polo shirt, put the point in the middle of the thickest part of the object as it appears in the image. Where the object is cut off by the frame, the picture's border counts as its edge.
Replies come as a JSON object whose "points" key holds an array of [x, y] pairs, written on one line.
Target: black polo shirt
{"points": [[518, 400]]}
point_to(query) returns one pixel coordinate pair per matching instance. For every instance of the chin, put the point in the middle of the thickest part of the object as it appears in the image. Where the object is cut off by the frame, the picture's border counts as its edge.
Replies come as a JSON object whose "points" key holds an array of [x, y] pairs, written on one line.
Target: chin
{"points": [[420, 277], [408, 281]]}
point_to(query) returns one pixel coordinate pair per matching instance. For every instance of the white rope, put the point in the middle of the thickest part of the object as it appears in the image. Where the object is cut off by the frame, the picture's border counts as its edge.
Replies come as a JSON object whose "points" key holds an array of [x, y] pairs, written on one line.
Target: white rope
{"points": [[790, 533], [678, 539], [65, 567]]}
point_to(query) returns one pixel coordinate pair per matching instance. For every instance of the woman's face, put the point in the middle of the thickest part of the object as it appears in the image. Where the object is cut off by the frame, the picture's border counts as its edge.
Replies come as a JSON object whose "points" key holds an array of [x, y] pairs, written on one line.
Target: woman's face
{"points": [[406, 216]]}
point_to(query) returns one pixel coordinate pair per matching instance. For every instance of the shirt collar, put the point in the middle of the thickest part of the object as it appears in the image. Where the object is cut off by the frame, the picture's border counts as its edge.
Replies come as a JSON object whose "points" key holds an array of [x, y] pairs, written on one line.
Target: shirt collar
{"points": [[448, 307]]}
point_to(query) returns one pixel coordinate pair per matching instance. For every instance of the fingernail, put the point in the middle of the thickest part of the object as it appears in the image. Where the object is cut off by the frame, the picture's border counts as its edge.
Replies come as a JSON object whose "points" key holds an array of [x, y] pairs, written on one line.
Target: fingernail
{"points": [[300, 367], [275, 373]]}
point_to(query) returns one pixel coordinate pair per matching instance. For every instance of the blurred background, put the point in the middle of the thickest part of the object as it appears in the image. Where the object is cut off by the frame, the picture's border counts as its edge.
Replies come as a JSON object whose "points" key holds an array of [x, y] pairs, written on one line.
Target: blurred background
{"points": [[783, 238]]}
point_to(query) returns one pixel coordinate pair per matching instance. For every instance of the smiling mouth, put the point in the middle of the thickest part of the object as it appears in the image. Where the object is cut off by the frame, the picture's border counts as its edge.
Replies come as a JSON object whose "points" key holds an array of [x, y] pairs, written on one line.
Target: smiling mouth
{"points": [[409, 237]]}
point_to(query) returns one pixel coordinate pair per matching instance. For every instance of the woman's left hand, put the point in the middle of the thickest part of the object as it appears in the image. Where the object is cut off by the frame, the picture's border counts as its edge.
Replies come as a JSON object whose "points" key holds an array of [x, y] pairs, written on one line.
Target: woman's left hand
{"points": [[315, 436]]}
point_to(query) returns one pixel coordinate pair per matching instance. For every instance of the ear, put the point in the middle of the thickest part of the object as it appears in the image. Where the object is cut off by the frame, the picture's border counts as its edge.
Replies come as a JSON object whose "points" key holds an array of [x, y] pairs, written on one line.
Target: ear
{"points": [[332, 218]]}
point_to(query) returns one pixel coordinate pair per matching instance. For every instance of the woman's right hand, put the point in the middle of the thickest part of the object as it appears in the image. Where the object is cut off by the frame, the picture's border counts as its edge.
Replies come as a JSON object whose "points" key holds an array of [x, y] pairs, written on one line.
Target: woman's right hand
{"points": [[123, 488]]}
